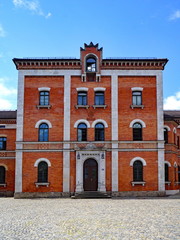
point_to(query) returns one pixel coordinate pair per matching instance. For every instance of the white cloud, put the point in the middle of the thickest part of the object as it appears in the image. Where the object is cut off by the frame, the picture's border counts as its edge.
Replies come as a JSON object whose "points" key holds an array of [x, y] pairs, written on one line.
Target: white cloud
{"points": [[8, 96], [175, 15], [32, 5], [172, 102], [2, 32], [6, 91], [5, 104]]}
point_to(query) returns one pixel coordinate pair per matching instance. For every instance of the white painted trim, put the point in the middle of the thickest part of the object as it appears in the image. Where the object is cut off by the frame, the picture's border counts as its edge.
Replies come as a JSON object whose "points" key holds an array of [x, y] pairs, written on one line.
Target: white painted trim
{"points": [[8, 126], [136, 89], [174, 130], [84, 89], [81, 121], [44, 89], [99, 121], [136, 159], [43, 121], [4, 165], [167, 127], [99, 89], [42, 160], [3, 135], [168, 163], [137, 121]]}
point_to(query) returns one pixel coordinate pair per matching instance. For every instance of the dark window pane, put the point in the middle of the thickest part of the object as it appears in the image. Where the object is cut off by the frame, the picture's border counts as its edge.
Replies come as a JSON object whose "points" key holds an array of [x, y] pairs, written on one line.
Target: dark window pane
{"points": [[166, 172], [137, 132], [138, 171], [82, 98], [137, 98], [42, 172], [165, 135], [43, 132], [91, 65], [99, 98], [99, 132], [2, 143], [44, 98], [2, 174], [82, 132]]}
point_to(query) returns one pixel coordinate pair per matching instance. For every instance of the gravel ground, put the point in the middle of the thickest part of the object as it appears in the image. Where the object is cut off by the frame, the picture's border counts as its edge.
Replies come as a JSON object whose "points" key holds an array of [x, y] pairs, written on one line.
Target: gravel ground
{"points": [[132, 219]]}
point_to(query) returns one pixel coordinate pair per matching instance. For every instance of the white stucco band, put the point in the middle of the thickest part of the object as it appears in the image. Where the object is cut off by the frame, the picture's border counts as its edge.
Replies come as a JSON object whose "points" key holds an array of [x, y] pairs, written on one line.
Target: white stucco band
{"points": [[84, 89], [99, 121], [137, 121], [99, 89], [137, 89], [44, 89], [43, 121], [138, 159], [167, 127], [40, 160], [168, 163]]}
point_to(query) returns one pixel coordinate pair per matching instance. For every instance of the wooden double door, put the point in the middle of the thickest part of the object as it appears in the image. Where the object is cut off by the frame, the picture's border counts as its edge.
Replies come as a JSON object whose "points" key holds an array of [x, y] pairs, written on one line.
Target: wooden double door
{"points": [[90, 175]]}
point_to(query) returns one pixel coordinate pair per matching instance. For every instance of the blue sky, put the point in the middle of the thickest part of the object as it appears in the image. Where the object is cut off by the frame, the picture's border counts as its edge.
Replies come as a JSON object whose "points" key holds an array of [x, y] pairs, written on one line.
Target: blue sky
{"points": [[58, 28]]}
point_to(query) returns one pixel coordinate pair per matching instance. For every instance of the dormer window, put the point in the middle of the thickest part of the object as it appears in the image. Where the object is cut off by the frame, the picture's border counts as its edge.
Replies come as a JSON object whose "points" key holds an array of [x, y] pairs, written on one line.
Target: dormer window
{"points": [[91, 64]]}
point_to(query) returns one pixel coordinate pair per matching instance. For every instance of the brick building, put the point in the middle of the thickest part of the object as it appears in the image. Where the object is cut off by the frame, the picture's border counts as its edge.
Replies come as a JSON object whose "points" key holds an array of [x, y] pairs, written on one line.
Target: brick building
{"points": [[89, 125]]}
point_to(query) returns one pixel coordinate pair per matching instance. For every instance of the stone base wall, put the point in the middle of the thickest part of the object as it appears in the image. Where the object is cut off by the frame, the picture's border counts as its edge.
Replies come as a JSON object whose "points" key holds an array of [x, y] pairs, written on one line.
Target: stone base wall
{"points": [[42, 195], [7, 194], [139, 194]]}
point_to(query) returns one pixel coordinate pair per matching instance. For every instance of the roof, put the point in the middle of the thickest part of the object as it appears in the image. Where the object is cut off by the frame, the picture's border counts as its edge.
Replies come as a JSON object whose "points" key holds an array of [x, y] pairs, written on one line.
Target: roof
{"points": [[172, 115], [8, 114]]}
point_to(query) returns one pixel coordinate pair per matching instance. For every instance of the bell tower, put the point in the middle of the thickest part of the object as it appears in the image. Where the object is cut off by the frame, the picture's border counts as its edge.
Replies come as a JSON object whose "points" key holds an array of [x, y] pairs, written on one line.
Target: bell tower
{"points": [[91, 58]]}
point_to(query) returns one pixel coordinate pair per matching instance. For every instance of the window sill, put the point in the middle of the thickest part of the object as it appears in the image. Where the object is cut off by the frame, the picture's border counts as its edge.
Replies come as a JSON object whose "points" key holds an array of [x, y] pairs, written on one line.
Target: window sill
{"points": [[137, 106], [99, 106], [43, 106], [2, 184], [138, 183], [177, 183], [168, 183], [46, 184], [81, 106]]}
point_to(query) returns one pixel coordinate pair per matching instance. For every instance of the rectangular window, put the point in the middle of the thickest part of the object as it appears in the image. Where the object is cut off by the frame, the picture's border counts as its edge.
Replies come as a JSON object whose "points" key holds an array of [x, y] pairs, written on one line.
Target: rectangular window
{"points": [[2, 143], [99, 98], [44, 98], [82, 98], [137, 98]]}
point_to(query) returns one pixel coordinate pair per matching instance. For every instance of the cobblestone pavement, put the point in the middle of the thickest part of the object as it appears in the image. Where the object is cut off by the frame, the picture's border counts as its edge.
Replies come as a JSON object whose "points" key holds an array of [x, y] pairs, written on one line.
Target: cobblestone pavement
{"points": [[134, 219]]}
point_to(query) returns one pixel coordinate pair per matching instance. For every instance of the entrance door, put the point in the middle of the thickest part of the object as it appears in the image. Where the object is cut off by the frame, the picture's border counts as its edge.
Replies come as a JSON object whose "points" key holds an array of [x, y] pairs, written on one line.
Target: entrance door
{"points": [[90, 181]]}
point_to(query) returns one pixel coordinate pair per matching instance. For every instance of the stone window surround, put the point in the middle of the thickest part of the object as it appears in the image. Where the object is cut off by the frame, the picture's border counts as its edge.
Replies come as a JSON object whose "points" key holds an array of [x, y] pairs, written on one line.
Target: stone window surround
{"points": [[43, 121], [136, 159], [137, 121], [167, 127], [46, 184]]}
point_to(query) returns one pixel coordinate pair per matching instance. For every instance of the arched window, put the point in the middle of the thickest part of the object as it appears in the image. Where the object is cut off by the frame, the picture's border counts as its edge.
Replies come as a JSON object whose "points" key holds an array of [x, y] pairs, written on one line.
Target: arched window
{"points": [[42, 172], [82, 98], [166, 135], [82, 132], [2, 143], [91, 64], [137, 98], [99, 132], [166, 169], [2, 174], [43, 132], [137, 132], [137, 171], [44, 98]]}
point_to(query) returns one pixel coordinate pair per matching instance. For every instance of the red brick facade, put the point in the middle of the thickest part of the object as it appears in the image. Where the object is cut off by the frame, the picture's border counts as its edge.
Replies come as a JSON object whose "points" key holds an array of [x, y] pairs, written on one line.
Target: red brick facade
{"points": [[90, 124]]}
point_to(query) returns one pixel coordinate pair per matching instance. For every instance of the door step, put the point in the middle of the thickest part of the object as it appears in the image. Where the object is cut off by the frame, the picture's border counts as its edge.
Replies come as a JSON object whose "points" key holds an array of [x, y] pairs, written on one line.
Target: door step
{"points": [[91, 194]]}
